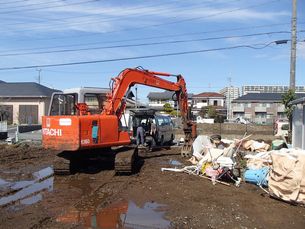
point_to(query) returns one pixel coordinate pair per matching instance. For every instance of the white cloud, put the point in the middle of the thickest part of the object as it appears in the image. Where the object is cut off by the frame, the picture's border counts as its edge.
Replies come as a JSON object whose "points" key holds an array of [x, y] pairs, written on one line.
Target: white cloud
{"points": [[103, 17], [301, 50]]}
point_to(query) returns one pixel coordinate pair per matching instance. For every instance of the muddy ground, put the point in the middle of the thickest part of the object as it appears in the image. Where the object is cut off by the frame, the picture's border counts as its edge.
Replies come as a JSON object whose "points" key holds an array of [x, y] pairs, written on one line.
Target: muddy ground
{"points": [[96, 198]]}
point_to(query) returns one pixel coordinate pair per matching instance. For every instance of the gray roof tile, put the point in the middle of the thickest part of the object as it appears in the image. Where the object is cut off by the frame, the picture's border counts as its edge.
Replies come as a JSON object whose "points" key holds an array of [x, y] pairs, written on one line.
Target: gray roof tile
{"points": [[163, 95], [24, 89], [264, 97]]}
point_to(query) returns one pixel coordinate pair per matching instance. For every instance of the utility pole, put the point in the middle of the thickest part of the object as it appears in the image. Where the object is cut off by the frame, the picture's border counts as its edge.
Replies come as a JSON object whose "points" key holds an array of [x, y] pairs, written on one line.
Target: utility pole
{"points": [[229, 98], [293, 44], [39, 70], [136, 104]]}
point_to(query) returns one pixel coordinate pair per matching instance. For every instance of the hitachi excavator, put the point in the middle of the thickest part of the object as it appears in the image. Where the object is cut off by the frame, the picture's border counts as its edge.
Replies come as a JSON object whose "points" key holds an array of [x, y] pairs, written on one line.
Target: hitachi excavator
{"points": [[73, 126]]}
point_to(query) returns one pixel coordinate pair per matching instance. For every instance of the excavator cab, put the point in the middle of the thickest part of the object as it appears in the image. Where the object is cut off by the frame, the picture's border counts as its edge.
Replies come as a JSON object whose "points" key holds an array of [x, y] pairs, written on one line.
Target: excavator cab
{"points": [[74, 121]]}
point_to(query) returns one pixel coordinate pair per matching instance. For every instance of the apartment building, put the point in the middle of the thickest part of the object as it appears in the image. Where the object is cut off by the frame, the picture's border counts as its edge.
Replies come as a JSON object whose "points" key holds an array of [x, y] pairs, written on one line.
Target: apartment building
{"points": [[269, 89], [230, 94], [260, 107]]}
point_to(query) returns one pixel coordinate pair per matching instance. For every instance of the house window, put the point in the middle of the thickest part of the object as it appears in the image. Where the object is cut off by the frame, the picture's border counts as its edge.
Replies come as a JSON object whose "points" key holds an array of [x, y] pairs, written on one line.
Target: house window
{"points": [[281, 115], [6, 113], [28, 114], [215, 102], [260, 115]]}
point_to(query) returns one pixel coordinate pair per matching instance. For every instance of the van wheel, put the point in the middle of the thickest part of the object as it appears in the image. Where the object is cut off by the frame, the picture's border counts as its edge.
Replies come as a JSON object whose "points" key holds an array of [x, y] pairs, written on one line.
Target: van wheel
{"points": [[172, 140]]}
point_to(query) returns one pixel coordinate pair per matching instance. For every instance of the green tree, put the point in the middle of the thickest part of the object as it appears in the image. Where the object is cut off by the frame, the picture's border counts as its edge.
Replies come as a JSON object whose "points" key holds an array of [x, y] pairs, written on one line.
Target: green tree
{"points": [[286, 99], [175, 113], [211, 112], [168, 108], [208, 112]]}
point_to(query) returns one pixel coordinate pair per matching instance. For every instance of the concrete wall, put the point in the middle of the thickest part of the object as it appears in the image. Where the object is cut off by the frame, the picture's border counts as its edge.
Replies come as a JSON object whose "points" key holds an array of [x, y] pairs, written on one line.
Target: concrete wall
{"points": [[42, 104], [235, 130]]}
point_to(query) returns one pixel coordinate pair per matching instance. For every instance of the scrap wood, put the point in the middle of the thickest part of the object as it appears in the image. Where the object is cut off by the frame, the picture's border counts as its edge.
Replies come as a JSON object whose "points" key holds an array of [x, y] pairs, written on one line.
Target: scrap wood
{"points": [[218, 181], [188, 170]]}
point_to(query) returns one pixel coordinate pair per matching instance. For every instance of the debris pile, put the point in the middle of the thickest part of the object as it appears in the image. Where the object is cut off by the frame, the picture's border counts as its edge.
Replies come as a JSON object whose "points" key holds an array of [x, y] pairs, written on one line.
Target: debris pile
{"points": [[282, 171], [214, 159], [277, 170]]}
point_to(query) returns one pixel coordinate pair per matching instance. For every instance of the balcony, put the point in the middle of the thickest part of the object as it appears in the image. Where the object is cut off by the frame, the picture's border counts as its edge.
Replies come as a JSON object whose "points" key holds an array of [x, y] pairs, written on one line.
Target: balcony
{"points": [[238, 109], [260, 109], [200, 105], [281, 109]]}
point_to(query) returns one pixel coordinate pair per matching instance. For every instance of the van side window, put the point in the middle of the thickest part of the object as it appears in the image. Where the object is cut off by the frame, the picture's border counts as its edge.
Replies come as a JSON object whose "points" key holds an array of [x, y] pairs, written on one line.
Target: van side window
{"points": [[166, 120], [160, 121]]}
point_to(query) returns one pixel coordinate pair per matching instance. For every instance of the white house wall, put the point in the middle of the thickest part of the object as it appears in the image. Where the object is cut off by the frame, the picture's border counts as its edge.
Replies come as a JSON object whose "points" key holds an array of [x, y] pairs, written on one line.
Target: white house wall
{"points": [[42, 109]]}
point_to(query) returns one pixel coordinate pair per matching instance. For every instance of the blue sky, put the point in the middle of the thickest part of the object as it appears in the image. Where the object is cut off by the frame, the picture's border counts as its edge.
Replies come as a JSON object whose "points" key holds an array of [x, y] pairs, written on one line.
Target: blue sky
{"points": [[29, 26]]}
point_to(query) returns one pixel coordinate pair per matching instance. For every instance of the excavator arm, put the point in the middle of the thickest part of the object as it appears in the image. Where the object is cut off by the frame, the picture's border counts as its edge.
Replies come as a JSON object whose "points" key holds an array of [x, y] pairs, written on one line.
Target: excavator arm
{"points": [[115, 103]]}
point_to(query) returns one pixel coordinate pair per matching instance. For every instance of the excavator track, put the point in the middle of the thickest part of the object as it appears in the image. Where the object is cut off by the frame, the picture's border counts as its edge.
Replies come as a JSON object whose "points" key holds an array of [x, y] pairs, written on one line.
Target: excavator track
{"points": [[125, 161]]}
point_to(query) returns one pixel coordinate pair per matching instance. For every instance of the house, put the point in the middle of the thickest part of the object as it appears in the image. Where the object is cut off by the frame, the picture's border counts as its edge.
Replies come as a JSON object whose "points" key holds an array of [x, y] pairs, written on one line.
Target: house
{"points": [[298, 123], [24, 102], [205, 99], [208, 99], [260, 107], [157, 100]]}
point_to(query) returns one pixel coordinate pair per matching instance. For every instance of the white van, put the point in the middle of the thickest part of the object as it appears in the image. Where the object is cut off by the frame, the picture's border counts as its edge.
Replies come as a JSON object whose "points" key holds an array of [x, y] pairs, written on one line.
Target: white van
{"points": [[164, 126]]}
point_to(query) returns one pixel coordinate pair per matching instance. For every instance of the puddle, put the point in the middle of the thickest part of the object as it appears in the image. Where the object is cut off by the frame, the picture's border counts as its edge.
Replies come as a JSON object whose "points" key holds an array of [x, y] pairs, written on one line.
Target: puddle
{"points": [[124, 214], [175, 162], [26, 192], [171, 162], [151, 216]]}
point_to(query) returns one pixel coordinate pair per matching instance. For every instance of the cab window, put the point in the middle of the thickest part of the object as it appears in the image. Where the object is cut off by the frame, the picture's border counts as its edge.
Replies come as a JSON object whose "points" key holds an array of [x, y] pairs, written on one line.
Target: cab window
{"points": [[94, 102], [63, 104]]}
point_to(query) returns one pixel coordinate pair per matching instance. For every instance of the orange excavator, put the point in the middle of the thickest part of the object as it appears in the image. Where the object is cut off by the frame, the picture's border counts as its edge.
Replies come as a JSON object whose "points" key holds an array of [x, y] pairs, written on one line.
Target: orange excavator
{"points": [[72, 127]]}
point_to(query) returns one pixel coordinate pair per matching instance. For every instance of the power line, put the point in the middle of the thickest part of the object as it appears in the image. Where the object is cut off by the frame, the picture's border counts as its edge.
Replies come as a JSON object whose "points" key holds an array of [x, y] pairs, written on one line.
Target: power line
{"points": [[49, 7], [145, 44], [154, 37], [251, 46], [99, 13], [183, 20], [121, 18], [29, 5], [79, 72], [12, 2]]}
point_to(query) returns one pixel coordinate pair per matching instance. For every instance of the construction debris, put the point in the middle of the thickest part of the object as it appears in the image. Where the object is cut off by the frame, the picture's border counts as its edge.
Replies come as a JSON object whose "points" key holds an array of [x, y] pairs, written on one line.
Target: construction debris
{"points": [[287, 175], [256, 146], [281, 171], [212, 158]]}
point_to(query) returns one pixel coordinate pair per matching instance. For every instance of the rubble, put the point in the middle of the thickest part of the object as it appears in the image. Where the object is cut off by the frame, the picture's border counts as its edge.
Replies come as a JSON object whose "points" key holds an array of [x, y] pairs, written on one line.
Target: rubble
{"points": [[281, 170], [213, 158]]}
